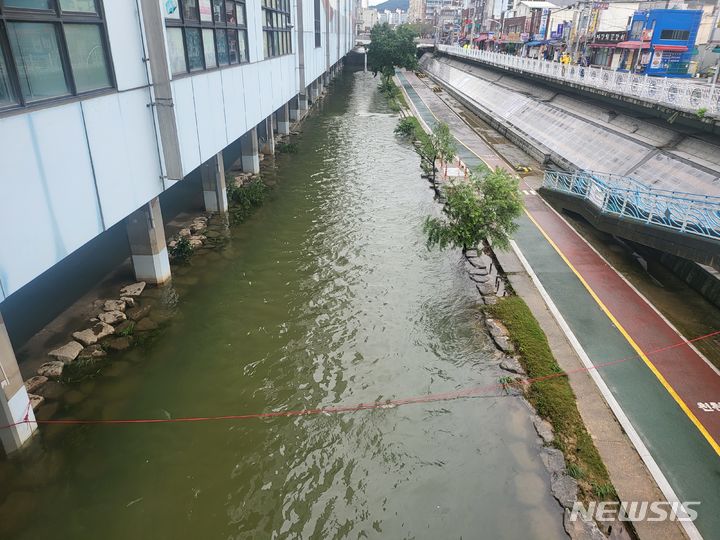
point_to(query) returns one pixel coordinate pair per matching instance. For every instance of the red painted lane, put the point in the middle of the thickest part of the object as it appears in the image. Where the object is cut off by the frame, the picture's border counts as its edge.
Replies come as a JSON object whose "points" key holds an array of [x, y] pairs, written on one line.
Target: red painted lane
{"points": [[683, 368]]}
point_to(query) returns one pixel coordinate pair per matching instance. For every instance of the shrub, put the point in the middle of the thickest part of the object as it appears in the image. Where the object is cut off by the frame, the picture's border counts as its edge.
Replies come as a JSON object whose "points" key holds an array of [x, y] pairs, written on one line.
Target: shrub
{"points": [[408, 127], [181, 251], [245, 198]]}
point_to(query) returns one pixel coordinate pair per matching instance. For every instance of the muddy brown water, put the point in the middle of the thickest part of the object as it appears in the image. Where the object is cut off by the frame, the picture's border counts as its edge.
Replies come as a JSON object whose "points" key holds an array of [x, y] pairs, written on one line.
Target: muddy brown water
{"points": [[325, 296]]}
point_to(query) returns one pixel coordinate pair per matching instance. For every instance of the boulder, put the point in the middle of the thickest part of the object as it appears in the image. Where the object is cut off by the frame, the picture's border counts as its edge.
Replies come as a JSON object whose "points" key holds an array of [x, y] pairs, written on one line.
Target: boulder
{"points": [[128, 300], [486, 289], [33, 383], [67, 353], [133, 290], [582, 529], [553, 459], [51, 370], [512, 365], [480, 278], [185, 232], [35, 401], [565, 489], [93, 351], [545, 430], [145, 325], [198, 225], [137, 313], [89, 336], [197, 241], [112, 317], [114, 305], [499, 334], [119, 343]]}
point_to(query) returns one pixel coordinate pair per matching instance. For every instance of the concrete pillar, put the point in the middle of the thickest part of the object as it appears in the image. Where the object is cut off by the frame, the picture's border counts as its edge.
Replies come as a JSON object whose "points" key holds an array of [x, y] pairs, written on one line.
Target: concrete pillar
{"points": [[294, 109], [303, 102], [249, 157], [313, 92], [213, 183], [146, 235], [283, 119], [15, 405], [321, 86], [274, 121], [265, 136]]}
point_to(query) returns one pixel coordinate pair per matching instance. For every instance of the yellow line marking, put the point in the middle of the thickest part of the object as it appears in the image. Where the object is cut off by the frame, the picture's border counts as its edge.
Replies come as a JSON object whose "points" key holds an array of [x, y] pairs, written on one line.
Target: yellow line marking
{"points": [[609, 314], [630, 340]]}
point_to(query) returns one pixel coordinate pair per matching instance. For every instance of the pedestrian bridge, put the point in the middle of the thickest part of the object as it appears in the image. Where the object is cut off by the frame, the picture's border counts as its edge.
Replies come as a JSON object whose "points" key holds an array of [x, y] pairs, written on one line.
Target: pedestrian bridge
{"points": [[684, 224], [699, 99]]}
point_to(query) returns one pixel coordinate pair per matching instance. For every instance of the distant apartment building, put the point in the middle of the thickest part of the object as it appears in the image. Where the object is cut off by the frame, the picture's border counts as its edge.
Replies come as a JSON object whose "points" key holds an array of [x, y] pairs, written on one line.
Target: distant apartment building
{"points": [[416, 11], [393, 18], [369, 17]]}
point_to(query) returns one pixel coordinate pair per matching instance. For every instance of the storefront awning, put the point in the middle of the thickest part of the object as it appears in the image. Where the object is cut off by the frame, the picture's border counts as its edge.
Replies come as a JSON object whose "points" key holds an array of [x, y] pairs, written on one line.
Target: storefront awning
{"points": [[672, 48], [633, 45], [534, 43], [604, 45]]}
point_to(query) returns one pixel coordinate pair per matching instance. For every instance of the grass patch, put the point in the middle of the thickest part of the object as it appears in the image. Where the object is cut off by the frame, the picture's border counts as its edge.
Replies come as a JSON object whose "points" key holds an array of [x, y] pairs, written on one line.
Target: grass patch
{"points": [[554, 399], [286, 148], [396, 99]]}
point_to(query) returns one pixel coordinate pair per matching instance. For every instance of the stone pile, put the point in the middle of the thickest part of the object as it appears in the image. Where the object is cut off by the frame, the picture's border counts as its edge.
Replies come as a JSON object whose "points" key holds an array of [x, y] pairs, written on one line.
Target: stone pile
{"points": [[110, 329], [193, 232], [484, 272]]}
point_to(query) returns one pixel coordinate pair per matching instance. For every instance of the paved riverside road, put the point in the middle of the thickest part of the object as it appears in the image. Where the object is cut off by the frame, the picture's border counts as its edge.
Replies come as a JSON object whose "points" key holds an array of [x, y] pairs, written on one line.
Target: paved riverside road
{"points": [[663, 386]]}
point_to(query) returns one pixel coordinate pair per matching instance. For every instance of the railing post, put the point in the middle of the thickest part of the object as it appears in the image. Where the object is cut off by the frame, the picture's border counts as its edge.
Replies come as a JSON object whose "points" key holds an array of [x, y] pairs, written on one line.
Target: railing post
{"points": [[685, 219]]}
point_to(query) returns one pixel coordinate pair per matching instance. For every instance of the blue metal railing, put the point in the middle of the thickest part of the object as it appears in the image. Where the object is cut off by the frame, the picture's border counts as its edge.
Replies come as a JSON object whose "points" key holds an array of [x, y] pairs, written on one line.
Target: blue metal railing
{"points": [[628, 198]]}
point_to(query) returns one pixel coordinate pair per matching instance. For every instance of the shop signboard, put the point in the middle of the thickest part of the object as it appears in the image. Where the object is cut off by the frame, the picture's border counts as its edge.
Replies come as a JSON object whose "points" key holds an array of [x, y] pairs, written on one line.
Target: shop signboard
{"points": [[543, 23]]}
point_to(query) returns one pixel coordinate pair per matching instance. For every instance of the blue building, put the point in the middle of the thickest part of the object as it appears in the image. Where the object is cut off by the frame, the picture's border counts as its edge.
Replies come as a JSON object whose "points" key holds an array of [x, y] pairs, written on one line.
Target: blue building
{"points": [[661, 42]]}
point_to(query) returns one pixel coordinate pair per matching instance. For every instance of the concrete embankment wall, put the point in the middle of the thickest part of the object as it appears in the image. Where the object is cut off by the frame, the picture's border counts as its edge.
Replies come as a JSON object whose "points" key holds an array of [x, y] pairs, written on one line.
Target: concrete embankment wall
{"points": [[572, 132]]}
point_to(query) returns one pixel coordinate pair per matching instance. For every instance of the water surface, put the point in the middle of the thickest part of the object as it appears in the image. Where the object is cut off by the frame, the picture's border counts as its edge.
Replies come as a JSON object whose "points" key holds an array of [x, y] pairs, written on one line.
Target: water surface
{"points": [[325, 296]]}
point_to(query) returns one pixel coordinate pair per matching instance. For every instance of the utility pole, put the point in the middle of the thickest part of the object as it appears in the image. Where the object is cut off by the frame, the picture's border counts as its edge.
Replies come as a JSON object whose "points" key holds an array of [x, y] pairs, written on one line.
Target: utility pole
{"points": [[585, 4]]}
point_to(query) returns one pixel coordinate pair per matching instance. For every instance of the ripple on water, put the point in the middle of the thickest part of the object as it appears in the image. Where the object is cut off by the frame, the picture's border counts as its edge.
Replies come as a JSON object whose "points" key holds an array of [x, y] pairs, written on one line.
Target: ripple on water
{"points": [[325, 295]]}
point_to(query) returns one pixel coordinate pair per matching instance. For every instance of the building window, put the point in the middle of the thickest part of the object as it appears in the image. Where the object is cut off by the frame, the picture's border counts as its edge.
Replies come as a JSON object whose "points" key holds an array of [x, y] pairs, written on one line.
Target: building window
{"points": [[681, 35], [318, 33], [51, 49], [205, 34], [276, 27]]}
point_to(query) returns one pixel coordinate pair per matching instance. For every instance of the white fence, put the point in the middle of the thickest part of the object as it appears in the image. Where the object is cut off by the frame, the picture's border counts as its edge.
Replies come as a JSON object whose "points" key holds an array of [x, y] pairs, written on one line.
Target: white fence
{"points": [[699, 98]]}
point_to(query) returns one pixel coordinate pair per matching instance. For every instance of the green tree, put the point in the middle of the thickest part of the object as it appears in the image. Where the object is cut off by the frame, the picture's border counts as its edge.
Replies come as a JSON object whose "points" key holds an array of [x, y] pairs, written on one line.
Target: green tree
{"points": [[437, 145], [390, 48], [483, 208]]}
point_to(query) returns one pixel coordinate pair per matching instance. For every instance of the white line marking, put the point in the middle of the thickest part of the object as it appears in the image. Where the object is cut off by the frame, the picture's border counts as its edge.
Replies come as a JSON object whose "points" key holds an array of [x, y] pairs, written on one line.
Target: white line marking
{"points": [[671, 325], [533, 192], [615, 407], [525, 192], [622, 418]]}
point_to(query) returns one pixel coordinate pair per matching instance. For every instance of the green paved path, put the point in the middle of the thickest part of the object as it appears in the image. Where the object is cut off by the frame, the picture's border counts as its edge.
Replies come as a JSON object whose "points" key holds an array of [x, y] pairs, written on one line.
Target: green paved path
{"points": [[689, 463]]}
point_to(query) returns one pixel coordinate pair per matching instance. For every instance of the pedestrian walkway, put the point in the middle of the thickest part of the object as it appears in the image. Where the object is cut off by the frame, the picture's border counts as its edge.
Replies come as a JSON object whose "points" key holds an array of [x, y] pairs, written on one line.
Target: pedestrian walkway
{"points": [[669, 392]]}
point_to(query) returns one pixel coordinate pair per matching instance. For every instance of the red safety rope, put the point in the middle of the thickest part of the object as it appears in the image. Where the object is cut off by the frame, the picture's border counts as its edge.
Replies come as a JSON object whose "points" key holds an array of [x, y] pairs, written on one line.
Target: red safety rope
{"points": [[388, 404]]}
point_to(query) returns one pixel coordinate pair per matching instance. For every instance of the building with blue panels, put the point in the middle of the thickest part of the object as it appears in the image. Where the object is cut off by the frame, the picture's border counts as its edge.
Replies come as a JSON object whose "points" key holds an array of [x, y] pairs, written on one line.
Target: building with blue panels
{"points": [[661, 42]]}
